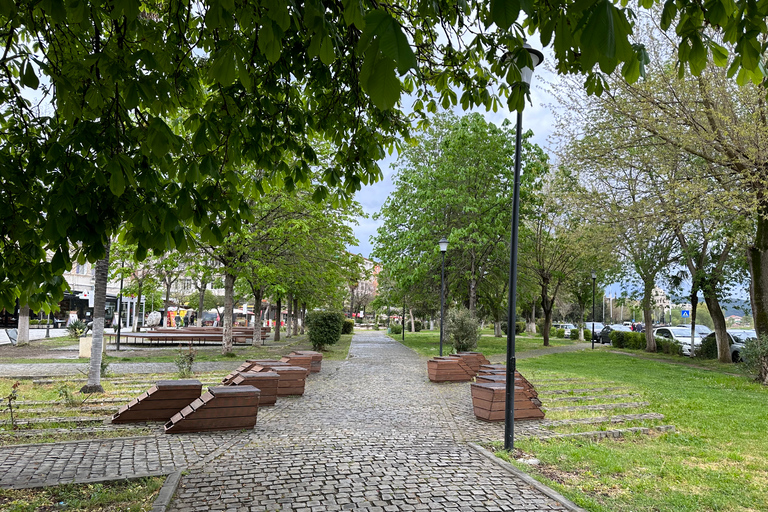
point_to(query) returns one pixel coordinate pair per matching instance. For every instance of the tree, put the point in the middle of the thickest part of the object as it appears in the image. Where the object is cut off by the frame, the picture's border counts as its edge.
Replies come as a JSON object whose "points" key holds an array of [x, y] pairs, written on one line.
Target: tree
{"points": [[456, 182], [93, 385]]}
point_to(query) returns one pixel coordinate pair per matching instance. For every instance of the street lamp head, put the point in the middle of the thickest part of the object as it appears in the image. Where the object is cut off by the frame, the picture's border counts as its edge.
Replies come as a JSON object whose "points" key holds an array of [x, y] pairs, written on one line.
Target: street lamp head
{"points": [[594, 275], [443, 243], [536, 57]]}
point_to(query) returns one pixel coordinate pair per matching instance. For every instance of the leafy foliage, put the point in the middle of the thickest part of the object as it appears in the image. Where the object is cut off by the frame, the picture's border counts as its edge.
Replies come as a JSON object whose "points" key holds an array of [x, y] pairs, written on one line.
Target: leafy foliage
{"points": [[348, 327], [324, 328], [755, 357], [396, 328], [184, 361], [76, 328], [463, 330]]}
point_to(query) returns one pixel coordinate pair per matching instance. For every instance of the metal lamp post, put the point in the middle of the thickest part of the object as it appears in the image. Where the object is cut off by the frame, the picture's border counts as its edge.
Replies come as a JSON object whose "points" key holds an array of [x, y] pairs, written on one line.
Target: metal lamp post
{"points": [[509, 417], [594, 277], [443, 243]]}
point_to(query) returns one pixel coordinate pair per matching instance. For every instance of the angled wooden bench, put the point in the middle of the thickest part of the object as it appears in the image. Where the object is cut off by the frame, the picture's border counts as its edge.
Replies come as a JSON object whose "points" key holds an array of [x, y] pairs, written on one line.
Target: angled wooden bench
{"points": [[221, 408], [292, 379], [317, 359], [449, 369], [160, 402], [266, 382]]}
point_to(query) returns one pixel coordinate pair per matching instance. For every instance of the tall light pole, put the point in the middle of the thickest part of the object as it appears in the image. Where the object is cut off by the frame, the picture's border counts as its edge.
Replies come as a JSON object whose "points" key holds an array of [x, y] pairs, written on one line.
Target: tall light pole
{"points": [[509, 415], [594, 277], [443, 243]]}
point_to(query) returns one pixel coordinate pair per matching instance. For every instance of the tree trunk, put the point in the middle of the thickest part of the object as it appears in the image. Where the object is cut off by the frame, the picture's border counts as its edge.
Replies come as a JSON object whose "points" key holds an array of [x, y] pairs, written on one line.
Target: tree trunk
{"points": [[694, 307], [296, 314], [581, 323], [413, 324], [99, 309], [650, 341], [472, 287], [165, 305], [546, 306], [289, 319], [257, 320], [229, 304], [278, 317], [303, 317], [22, 335], [718, 318], [530, 322], [136, 327], [201, 303], [497, 328], [757, 258]]}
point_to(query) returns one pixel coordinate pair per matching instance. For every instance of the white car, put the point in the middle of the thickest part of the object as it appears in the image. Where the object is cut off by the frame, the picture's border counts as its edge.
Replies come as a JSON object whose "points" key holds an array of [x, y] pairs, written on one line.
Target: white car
{"points": [[682, 335], [737, 339], [567, 327]]}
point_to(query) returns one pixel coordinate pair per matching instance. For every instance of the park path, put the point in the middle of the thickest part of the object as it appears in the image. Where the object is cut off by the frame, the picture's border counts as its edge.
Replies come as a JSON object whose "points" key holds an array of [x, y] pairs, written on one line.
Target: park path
{"points": [[370, 433]]}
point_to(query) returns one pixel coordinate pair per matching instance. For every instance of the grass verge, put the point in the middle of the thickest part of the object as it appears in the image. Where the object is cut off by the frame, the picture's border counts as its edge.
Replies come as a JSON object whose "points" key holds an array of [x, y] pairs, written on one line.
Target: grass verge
{"points": [[126, 495], [717, 460], [427, 343]]}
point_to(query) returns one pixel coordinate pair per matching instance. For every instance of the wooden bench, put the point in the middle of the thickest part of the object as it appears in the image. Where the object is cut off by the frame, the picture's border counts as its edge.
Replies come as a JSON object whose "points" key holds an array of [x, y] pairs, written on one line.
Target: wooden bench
{"points": [[221, 408], [448, 369], [266, 382], [160, 402], [316, 362], [489, 402], [292, 379]]}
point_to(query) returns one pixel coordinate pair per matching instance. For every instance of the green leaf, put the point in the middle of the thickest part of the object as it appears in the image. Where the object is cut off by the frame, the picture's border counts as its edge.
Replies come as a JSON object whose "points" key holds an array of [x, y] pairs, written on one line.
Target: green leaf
{"points": [[223, 67], [116, 181], [668, 14], [697, 58], [7, 8], [392, 41], [327, 53], [750, 54], [29, 78], [599, 32], [379, 80], [278, 12], [270, 46], [353, 13], [631, 70], [505, 12], [719, 54]]}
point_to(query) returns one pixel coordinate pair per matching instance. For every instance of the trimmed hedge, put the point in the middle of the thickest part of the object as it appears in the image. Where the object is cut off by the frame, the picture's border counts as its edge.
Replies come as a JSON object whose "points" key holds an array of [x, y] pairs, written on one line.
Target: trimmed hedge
{"points": [[324, 328], [348, 327], [668, 346], [519, 327], [708, 348], [560, 333], [396, 329], [631, 340], [587, 335]]}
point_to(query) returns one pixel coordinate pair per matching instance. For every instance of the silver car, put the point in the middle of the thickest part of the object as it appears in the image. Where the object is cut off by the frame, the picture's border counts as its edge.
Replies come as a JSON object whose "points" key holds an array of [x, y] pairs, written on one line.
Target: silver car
{"points": [[736, 339], [682, 335]]}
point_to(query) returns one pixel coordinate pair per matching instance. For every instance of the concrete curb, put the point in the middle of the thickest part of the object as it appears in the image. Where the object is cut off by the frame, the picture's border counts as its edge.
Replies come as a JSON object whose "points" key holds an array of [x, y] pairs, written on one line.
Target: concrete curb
{"points": [[551, 493], [167, 491], [85, 481]]}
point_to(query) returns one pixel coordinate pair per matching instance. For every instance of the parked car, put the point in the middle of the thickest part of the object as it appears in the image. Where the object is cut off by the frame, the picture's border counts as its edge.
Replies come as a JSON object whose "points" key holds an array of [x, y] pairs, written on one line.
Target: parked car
{"points": [[680, 334], [596, 332], [736, 339], [605, 333], [701, 330], [566, 327]]}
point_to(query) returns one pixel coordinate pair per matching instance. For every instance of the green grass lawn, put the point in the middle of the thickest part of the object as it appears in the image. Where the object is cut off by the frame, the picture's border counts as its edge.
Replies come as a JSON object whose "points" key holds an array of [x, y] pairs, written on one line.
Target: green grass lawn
{"points": [[717, 460], [427, 343]]}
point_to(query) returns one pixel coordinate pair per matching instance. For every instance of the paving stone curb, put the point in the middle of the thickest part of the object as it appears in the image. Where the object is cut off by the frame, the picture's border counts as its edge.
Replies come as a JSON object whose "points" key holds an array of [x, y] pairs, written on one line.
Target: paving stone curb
{"points": [[167, 491], [549, 492], [99, 480]]}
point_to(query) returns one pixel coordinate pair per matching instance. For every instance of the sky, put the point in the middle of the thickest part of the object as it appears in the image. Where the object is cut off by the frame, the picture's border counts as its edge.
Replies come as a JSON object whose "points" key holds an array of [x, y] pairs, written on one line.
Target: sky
{"points": [[536, 117]]}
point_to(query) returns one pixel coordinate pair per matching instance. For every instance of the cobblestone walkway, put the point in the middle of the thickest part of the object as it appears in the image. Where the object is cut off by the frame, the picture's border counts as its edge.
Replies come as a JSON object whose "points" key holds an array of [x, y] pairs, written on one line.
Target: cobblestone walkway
{"points": [[371, 433]]}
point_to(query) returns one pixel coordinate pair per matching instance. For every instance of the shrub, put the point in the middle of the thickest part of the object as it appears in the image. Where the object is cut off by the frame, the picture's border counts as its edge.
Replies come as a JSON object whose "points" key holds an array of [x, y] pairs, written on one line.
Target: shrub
{"points": [[560, 333], [503, 327], [348, 327], [184, 361], [358, 320], [396, 329], [76, 328], [324, 328], [463, 330], [519, 327], [34, 321], [755, 357], [552, 332], [587, 334], [668, 346], [708, 348], [416, 323]]}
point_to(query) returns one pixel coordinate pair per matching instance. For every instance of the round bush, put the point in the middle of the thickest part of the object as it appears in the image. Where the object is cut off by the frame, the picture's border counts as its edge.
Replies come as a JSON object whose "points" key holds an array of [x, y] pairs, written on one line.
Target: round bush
{"points": [[463, 330], [324, 328], [708, 348], [418, 325], [560, 333], [396, 329], [348, 327]]}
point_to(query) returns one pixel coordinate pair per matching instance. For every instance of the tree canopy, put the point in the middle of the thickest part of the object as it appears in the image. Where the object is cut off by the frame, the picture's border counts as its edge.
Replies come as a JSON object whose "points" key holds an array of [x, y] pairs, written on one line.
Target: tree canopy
{"points": [[145, 111]]}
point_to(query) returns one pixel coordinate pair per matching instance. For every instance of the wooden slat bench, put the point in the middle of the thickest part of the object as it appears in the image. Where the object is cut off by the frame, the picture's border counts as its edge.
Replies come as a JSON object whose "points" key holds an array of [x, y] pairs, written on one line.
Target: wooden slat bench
{"points": [[292, 379], [317, 359], [448, 369], [489, 402], [160, 402], [266, 382], [303, 360], [221, 408]]}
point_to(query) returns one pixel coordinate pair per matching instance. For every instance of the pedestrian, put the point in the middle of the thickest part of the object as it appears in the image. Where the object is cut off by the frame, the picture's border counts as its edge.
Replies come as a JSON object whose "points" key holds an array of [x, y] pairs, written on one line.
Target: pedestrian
{"points": [[186, 320]]}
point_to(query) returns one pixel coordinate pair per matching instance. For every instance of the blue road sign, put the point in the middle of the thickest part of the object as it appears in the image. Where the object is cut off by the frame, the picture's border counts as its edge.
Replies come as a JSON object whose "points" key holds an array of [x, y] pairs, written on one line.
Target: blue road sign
{"points": [[685, 313]]}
